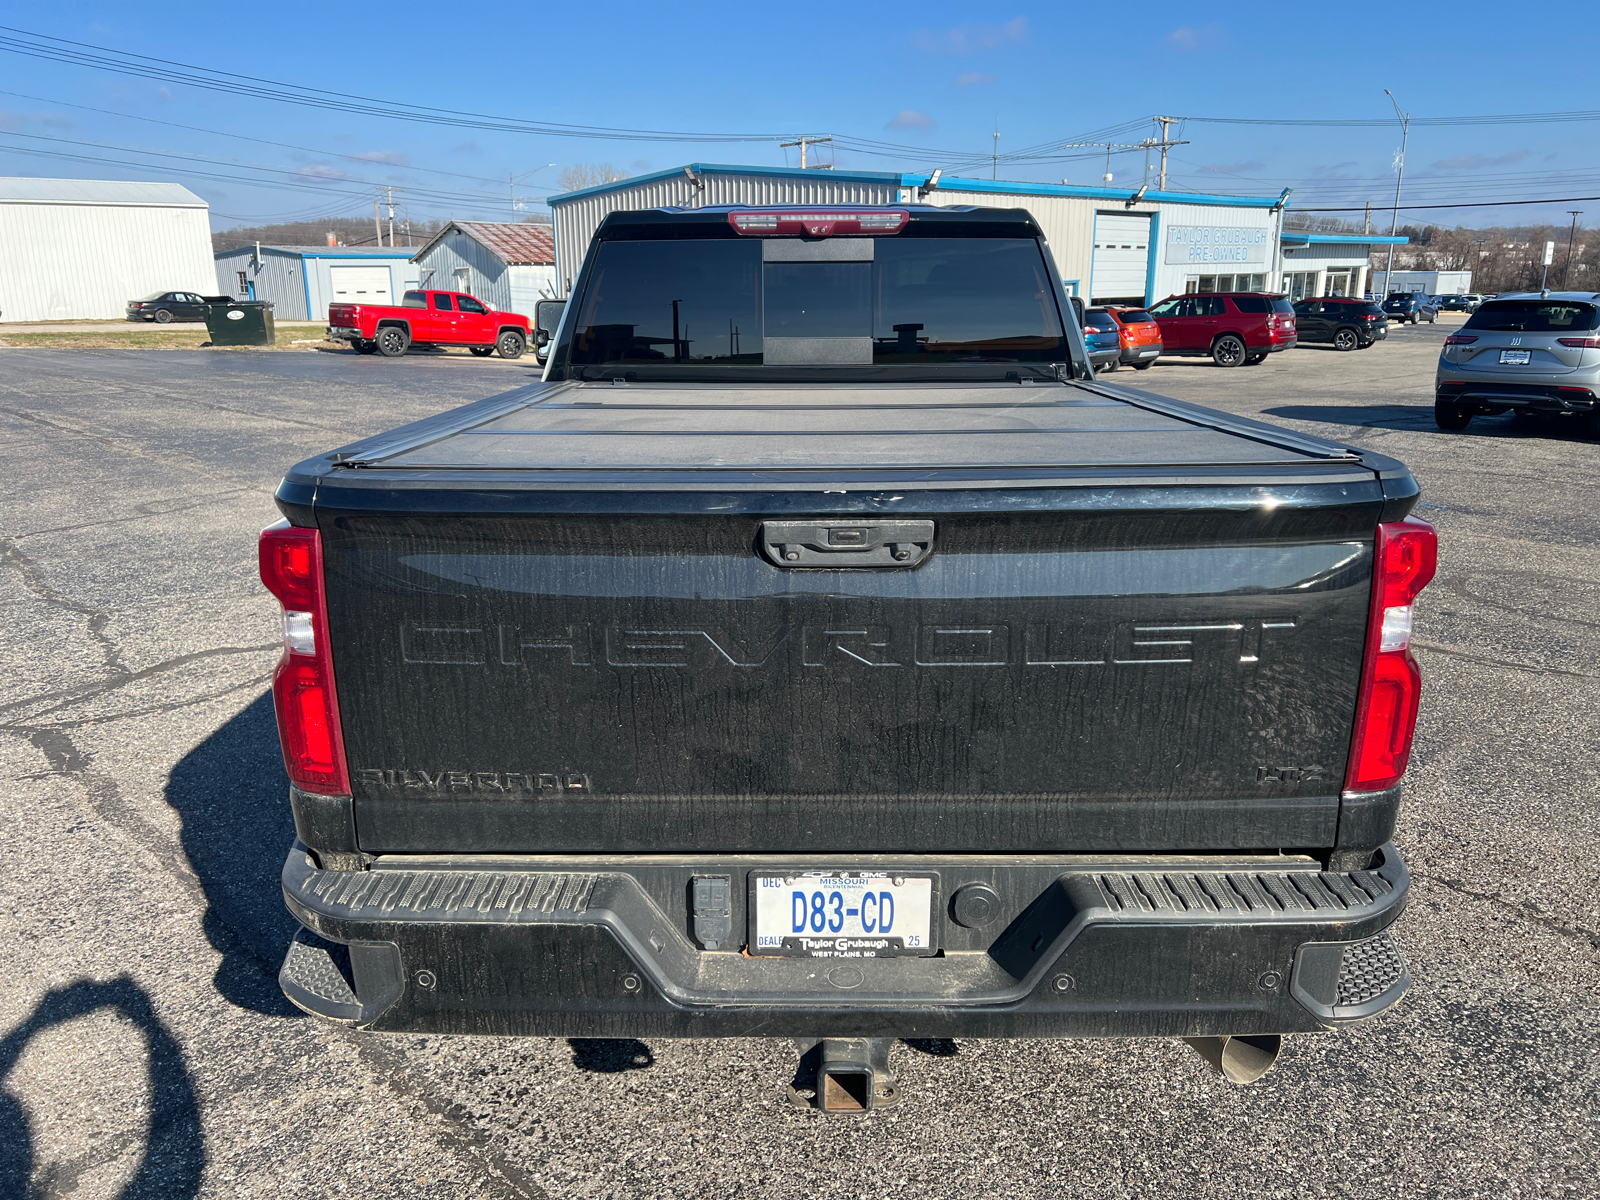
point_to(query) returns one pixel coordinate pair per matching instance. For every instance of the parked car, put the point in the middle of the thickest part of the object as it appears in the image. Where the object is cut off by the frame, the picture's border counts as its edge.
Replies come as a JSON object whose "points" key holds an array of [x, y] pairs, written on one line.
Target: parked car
{"points": [[836, 687], [1141, 337], [166, 307], [1406, 306], [429, 318], [1229, 327], [1104, 338], [1462, 303], [1533, 355], [1347, 323]]}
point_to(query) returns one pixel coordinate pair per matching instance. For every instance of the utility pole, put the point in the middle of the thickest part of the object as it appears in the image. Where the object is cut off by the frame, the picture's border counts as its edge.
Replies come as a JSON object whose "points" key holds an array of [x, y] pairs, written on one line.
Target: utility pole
{"points": [[1566, 271], [803, 142], [994, 168], [1400, 174], [1166, 124], [377, 222], [391, 217], [1366, 225]]}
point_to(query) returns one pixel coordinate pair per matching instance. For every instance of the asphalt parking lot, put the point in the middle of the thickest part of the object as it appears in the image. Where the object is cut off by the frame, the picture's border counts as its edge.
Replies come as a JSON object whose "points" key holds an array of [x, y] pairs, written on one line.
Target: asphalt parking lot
{"points": [[145, 1050]]}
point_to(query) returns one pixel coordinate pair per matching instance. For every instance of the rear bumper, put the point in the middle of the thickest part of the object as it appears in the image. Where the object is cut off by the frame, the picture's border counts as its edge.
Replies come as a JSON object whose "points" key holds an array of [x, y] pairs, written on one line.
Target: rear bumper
{"points": [[341, 333], [1079, 946], [1551, 397], [1134, 354]]}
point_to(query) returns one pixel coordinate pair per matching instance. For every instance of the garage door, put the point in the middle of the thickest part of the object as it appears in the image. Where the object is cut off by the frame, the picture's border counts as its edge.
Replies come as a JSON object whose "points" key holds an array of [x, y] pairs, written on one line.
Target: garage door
{"points": [[1121, 257], [361, 285]]}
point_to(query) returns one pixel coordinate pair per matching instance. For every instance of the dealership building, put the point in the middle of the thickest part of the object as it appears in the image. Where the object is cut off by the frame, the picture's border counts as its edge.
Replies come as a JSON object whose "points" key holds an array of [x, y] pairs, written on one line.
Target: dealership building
{"points": [[1111, 245], [1330, 264]]}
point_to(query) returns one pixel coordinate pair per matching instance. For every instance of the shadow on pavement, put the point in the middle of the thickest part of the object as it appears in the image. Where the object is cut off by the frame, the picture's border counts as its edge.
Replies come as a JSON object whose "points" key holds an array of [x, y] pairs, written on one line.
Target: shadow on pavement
{"points": [[174, 1154], [233, 798], [1369, 416], [607, 1056], [1420, 417]]}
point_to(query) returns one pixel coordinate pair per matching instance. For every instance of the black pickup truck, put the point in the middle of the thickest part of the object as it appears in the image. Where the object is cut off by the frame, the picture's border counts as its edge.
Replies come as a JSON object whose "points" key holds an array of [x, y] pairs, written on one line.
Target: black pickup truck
{"points": [[820, 651]]}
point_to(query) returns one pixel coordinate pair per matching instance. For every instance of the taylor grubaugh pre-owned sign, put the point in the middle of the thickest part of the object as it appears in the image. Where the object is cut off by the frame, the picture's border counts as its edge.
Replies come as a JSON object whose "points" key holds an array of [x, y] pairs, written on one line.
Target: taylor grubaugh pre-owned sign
{"points": [[1216, 244]]}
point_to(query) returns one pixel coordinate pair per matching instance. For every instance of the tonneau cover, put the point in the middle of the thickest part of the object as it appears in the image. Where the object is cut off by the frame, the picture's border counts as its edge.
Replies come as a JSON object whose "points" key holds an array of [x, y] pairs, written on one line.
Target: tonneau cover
{"points": [[810, 427]]}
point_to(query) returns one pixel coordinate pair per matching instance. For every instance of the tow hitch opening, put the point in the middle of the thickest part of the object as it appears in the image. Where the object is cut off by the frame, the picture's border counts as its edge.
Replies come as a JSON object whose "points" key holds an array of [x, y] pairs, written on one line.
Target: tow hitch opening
{"points": [[844, 1076]]}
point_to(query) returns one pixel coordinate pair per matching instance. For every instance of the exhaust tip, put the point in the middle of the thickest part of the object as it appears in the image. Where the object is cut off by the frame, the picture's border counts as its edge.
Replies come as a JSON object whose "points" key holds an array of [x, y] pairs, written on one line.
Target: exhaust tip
{"points": [[1239, 1060]]}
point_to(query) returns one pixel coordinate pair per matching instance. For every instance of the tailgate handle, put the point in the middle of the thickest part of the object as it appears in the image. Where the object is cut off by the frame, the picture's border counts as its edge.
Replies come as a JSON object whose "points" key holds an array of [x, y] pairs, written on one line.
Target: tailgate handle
{"points": [[832, 545]]}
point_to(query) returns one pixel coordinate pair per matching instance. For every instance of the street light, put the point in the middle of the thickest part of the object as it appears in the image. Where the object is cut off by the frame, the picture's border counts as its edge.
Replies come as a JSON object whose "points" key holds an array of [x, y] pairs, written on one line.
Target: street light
{"points": [[1400, 169], [1566, 271], [526, 175]]}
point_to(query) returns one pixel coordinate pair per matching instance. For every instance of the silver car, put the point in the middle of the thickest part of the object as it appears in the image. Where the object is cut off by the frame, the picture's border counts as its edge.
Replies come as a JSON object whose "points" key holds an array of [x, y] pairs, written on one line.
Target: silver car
{"points": [[1533, 354]]}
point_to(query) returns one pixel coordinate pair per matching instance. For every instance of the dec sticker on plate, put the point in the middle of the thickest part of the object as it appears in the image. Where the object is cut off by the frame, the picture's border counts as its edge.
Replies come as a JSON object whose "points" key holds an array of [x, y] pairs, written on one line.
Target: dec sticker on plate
{"points": [[843, 914]]}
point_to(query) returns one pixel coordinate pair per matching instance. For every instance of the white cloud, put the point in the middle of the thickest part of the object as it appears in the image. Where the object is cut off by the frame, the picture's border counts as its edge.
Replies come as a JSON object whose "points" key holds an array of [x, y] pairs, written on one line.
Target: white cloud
{"points": [[970, 39], [972, 78], [164, 93], [1196, 37], [319, 173], [908, 118], [387, 157]]}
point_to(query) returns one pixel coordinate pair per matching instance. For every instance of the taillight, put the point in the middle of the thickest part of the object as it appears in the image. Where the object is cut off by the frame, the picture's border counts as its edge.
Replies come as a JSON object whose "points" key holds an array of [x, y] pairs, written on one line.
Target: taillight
{"points": [[1461, 339], [827, 222], [1406, 555], [1589, 343], [302, 686]]}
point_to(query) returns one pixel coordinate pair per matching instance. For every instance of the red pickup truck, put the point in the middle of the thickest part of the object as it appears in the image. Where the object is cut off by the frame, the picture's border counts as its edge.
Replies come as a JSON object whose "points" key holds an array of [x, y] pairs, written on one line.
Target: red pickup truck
{"points": [[429, 318]]}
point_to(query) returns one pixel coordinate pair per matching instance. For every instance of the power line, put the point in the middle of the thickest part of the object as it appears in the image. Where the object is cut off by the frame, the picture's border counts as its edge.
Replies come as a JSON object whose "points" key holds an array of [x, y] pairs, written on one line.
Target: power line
{"points": [[1473, 204], [243, 137], [103, 58], [1549, 118]]}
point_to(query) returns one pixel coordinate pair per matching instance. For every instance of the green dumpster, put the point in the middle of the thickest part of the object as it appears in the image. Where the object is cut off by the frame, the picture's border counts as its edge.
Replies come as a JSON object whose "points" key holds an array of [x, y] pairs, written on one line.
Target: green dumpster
{"points": [[241, 323]]}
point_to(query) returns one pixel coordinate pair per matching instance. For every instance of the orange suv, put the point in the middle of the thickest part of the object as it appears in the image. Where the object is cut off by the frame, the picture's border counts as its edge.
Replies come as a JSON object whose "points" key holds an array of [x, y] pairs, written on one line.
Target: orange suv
{"points": [[1141, 337]]}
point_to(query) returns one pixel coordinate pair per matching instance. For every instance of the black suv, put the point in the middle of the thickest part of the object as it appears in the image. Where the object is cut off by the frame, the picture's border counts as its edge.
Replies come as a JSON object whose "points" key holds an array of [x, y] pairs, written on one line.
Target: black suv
{"points": [[1348, 323], [1405, 306]]}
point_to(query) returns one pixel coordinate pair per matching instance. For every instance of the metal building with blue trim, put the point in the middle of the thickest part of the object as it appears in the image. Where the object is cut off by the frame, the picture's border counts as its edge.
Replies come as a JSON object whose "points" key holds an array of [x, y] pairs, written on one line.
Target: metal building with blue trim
{"points": [[1111, 245], [301, 281]]}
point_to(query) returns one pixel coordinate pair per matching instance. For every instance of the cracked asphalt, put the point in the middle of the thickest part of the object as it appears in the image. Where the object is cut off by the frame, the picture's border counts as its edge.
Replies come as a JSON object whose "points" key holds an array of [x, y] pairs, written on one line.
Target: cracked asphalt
{"points": [[145, 1051]]}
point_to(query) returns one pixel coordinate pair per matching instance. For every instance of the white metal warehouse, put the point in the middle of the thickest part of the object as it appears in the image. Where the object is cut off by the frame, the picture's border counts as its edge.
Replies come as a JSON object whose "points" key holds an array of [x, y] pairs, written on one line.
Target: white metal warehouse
{"points": [[301, 281], [508, 265], [77, 249], [1110, 244]]}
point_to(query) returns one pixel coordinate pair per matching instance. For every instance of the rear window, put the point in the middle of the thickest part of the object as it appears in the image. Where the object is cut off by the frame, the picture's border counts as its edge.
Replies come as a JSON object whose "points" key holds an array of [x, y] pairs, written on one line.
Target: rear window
{"points": [[1534, 316], [1252, 304], [1136, 317], [414, 300], [1281, 304], [1100, 319], [921, 300]]}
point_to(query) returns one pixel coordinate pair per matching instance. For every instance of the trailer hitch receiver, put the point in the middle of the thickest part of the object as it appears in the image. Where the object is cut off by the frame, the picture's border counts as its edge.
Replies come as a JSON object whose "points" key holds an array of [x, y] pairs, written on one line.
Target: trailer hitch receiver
{"points": [[844, 1076]]}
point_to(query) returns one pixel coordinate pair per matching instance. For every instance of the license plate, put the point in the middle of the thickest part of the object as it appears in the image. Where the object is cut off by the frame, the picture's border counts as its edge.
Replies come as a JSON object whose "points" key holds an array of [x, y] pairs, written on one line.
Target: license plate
{"points": [[1516, 358], [842, 914]]}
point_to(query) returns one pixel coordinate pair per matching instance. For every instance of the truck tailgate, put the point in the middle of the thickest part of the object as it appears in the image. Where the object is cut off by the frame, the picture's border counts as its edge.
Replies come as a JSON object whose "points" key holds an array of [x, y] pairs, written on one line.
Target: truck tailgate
{"points": [[1130, 633]]}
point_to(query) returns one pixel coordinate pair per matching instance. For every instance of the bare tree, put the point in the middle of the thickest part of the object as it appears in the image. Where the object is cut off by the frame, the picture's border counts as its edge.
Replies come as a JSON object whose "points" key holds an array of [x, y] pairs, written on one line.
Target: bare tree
{"points": [[587, 175]]}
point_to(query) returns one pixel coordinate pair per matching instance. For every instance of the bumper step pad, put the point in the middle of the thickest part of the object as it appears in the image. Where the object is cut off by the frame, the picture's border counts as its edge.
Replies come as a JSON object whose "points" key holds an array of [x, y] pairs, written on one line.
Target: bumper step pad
{"points": [[1345, 981]]}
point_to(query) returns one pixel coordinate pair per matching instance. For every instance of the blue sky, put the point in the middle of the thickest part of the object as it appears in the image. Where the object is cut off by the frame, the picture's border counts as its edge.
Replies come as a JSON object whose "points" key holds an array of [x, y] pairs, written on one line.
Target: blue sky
{"points": [[928, 83]]}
